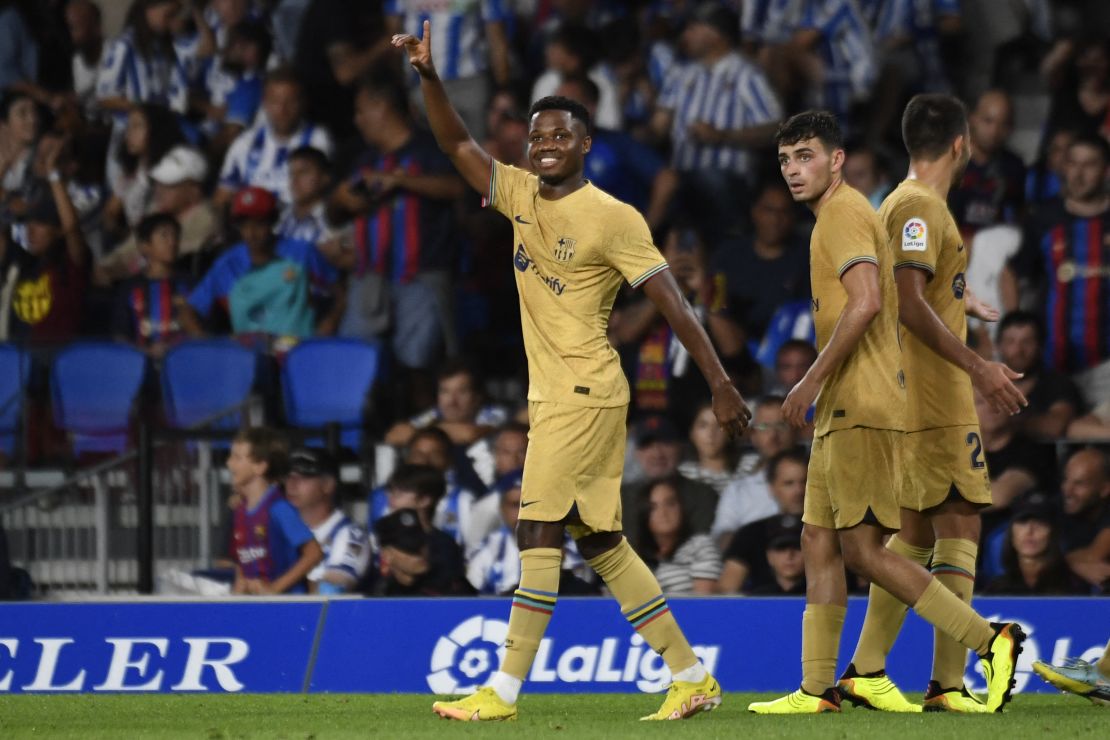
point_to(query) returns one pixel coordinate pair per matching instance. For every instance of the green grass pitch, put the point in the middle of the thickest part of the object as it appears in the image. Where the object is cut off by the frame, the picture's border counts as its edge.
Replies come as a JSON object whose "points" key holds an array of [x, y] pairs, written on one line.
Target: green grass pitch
{"points": [[601, 716]]}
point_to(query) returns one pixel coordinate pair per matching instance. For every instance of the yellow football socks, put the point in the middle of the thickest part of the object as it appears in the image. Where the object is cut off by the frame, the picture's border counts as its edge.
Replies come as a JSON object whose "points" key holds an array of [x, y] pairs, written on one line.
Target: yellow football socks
{"points": [[885, 615], [954, 566], [821, 627], [642, 603], [944, 610], [533, 603]]}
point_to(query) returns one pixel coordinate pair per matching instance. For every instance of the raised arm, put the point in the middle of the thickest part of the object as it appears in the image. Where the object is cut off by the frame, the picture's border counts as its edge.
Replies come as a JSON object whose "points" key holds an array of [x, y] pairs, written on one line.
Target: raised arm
{"points": [[728, 406], [861, 282], [472, 162], [993, 379]]}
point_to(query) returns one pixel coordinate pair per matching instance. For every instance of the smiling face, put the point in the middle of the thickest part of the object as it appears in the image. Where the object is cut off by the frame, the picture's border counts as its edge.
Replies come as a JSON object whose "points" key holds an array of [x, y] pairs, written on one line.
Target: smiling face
{"points": [[809, 168], [557, 146]]}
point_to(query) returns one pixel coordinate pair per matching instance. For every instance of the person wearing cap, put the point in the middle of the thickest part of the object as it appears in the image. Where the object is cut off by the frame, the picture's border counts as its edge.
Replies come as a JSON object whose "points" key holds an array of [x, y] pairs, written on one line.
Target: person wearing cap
{"points": [[259, 157], [658, 450], [408, 567], [421, 488], [43, 286], [784, 560], [311, 487], [148, 306], [272, 548], [716, 110], [683, 561], [178, 180], [745, 557], [749, 497], [264, 283], [1033, 562]]}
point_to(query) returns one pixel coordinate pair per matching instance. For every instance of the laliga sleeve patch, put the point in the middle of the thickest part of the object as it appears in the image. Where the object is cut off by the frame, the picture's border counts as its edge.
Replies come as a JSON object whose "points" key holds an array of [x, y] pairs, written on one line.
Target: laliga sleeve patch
{"points": [[914, 235]]}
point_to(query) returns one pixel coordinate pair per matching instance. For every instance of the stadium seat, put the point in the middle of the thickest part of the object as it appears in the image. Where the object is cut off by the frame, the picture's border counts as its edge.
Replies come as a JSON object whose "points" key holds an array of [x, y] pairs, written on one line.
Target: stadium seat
{"points": [[207, 381], [326, 381], [93, 385], [15, 368], [792, 320]]}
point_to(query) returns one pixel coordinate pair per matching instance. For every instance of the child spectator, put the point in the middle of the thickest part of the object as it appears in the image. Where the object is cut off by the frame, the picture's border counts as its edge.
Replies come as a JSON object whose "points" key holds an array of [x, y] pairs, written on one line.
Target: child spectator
{"points": [[273, 549], [263, 282], [311, 488], [141, 64], [234, 83], [148, 306], [784, 559], [305, 217], [151, 133], [42, 286]]}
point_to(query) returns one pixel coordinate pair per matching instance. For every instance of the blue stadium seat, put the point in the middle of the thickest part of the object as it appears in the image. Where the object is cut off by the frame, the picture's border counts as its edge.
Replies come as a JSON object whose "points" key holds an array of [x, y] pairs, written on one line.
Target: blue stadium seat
{"points": [[792, 320], [15, 368], [203, 379], [326, 381], [93, 385]]}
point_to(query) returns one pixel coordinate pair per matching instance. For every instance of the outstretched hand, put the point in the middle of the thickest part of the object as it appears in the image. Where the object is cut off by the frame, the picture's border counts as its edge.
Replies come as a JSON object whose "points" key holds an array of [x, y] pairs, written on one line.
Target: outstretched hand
{"points": [[419, 50]]}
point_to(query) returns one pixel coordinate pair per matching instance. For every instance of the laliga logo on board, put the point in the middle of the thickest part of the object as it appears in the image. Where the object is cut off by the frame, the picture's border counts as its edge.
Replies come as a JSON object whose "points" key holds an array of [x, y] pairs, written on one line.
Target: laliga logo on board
{"points": [[463, 660]]}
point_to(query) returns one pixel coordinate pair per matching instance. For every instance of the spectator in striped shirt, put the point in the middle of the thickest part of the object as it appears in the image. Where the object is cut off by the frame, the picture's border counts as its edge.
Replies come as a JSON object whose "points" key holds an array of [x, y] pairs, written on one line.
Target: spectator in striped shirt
{"points": [[717, 109], [401, 192], [259, 157], [148, 306], [305, 217], [684, 563], [1065, 253], [841, 67], [470, 44], [141, 65], [575, 51]]}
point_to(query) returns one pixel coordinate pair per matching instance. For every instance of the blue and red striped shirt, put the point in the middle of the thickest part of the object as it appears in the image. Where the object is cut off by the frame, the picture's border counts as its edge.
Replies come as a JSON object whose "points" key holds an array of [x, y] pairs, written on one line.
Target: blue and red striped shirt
{"points": [[1070, 258], [404, 233], [266, 539], [146, 310]]}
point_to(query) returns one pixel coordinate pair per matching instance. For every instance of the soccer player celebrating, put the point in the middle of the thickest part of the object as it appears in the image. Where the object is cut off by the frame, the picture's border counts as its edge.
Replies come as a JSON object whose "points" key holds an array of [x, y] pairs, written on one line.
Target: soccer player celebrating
{"points": [[945, 480], [574, 246], [853, 480]]}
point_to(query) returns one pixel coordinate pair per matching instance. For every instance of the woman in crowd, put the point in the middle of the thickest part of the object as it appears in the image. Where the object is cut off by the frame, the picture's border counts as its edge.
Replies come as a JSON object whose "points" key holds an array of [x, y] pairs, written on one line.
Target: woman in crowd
{"points": [[715, 456], [141, 64], [151, 132], [684, 563], [19, 135], [1033, 563]]}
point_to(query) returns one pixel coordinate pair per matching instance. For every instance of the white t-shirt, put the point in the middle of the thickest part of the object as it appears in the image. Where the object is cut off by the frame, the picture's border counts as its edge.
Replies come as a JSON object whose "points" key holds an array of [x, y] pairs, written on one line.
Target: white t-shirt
{"points": [[257, 157]]}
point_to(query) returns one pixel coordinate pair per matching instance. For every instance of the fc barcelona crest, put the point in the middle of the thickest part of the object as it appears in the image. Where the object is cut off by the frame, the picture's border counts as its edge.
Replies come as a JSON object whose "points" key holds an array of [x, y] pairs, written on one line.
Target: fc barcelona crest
{"points": [[564, 249]]}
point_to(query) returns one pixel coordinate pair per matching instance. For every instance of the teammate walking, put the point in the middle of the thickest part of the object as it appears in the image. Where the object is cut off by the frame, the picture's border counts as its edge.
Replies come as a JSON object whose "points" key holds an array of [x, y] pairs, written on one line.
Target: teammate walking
{"points": [[853, 481], [574, 246], [945, 480]]}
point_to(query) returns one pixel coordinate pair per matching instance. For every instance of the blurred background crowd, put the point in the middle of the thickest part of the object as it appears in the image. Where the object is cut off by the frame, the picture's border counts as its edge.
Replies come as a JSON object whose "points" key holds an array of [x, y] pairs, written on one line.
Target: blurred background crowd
{"points": [[260, 169]]}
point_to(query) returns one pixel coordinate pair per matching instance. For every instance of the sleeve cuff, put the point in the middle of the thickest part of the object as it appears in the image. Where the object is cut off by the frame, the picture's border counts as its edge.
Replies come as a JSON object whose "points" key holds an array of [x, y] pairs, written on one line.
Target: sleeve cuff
{"points": [[855, 261], [918, 265], [648, 275]]}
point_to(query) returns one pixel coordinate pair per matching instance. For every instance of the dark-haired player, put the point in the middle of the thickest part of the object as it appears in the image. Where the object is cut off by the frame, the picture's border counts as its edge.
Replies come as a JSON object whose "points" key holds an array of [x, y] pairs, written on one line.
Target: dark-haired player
{"points": [[945, 481], [854, 470], [575, 245]]}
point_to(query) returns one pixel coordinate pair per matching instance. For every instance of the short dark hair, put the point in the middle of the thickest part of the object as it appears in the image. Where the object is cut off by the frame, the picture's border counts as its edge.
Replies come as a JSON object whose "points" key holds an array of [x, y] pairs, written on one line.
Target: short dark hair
{"points": [[802, 344], [1022, 318], [458, 366], [284, 76], [811, 124], [576, 110], [253, 32], [9, 98], [441, 437], [1095, 142], [423, 480], [313, 156], [382, 82], [144, 232], [269, 446], [791, 454], [930, 123]]}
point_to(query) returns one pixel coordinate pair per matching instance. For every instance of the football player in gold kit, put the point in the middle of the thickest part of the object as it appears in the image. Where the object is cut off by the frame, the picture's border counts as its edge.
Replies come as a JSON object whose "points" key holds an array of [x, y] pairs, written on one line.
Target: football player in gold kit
{"points": [[852, 490], [945, 480], [573, 247]]}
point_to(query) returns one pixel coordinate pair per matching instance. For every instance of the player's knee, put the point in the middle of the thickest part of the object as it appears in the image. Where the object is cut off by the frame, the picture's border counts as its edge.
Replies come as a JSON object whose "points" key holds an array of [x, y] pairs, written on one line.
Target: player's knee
{"points": [[530, 535], [595, 545]]}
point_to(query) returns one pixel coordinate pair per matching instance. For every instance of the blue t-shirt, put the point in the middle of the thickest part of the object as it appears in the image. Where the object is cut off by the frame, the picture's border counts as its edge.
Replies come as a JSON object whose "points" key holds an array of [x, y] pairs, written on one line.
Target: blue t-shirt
{"points": [[267, 539], [216, 285]]}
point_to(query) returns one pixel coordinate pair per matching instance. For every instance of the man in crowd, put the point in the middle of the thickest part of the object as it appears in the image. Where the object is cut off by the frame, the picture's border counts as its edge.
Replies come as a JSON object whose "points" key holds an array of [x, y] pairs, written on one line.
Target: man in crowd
{"points": [[1085, 524], [1053, 398]]}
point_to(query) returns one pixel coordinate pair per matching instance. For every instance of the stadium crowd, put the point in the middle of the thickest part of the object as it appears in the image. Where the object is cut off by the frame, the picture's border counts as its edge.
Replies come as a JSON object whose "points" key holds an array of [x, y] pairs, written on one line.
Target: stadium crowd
{"points": [[260, 169]]}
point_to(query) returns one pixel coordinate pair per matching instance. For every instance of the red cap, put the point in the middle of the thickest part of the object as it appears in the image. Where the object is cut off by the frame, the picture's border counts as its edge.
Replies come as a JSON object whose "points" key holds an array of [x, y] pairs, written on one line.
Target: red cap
{"points": [[254, 202]]}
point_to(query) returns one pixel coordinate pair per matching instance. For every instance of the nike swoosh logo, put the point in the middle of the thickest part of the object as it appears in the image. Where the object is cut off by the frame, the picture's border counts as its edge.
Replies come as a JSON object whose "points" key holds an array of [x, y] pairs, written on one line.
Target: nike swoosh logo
{"points": [[526, 503], [520, 220]]}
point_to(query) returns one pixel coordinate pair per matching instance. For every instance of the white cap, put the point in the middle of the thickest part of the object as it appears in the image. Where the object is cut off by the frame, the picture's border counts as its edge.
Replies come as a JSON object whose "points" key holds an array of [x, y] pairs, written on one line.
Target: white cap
{"points": [[181, 164]]}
